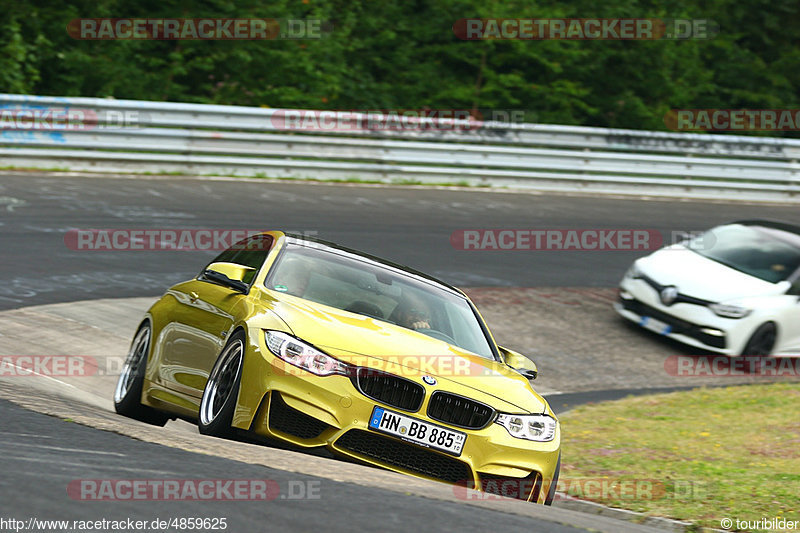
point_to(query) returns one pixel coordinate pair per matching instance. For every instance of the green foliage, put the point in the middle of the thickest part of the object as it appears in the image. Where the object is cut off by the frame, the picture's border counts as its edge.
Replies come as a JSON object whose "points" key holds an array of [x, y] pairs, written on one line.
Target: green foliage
{"points": [[403, 54]]}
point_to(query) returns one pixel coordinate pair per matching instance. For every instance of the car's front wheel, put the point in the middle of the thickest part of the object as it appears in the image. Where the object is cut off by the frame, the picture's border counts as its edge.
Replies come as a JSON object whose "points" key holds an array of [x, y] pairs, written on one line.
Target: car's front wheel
{"points": [[222, 389], [128, 393], [762, 342]]}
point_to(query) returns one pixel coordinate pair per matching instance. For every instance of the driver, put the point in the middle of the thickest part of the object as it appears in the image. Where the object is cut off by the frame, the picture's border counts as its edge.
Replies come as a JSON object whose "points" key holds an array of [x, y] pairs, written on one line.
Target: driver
{"points": [[414, 314], [294, 277]]}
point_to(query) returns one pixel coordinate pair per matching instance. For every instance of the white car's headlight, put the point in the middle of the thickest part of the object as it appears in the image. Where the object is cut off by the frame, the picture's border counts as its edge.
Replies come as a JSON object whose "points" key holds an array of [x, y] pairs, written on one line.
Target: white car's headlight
{"points": [[298, 353], [730, 311], [539, 428]]}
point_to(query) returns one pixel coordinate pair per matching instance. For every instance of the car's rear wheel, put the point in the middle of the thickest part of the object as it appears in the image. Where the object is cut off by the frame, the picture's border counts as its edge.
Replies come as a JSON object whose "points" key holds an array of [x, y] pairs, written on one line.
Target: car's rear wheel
{"points": [[128, 393], [222, 389], [762, 341]]}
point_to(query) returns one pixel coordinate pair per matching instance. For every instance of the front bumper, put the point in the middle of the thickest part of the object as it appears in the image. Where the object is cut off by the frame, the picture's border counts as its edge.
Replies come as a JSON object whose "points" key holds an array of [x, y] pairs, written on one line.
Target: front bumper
{"points": [[687, 323], [311, 411], [679, 329]]}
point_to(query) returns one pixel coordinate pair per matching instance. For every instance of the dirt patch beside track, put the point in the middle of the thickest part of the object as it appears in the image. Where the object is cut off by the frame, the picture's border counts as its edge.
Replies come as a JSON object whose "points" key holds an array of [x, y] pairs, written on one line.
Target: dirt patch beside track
{"points": [[580, 343]]}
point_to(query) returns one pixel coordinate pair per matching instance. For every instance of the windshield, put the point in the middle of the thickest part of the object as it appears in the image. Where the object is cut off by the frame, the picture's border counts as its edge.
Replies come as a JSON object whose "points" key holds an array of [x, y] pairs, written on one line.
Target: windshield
{"points": [[368, 288], [766, 253]]}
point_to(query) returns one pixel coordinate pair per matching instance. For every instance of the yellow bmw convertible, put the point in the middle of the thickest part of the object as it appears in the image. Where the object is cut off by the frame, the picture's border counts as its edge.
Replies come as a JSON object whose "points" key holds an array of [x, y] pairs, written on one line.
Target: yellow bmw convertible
{"points": [[317, 345]]}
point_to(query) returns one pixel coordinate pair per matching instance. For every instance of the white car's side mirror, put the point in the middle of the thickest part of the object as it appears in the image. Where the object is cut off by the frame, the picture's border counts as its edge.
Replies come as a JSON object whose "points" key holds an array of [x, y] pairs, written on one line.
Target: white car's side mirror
{"points": [[787, 287]]}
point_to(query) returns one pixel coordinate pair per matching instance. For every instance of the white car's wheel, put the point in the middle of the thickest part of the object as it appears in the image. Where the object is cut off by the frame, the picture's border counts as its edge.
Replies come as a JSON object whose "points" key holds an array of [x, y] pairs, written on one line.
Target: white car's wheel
{"points": [[762, 341]]}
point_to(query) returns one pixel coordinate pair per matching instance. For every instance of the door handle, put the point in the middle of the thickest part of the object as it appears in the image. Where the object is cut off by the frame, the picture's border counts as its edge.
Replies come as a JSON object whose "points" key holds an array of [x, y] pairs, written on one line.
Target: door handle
{"points": [[193, 296]]}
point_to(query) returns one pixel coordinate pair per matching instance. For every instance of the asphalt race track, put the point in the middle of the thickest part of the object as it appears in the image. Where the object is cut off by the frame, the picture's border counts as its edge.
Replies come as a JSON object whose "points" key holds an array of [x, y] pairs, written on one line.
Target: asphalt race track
{"points": [[53, 453], [410, 225]]}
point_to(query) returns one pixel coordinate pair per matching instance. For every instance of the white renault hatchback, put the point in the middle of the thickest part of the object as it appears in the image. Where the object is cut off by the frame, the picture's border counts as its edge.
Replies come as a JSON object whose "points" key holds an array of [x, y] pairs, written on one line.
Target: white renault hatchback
{"points": [[734, 289]]}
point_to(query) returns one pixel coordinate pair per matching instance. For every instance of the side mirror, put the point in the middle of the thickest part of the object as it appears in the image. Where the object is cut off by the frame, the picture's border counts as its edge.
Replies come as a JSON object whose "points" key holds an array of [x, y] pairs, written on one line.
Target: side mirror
{"points": [[519, 362], [795, 289], [792, 289], [228, 274]]}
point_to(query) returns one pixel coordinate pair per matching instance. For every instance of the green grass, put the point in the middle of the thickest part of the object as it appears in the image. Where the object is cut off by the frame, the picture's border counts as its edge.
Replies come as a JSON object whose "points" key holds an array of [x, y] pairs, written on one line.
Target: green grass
{"points": [[262, 175], [44, 169], [713, 453]]}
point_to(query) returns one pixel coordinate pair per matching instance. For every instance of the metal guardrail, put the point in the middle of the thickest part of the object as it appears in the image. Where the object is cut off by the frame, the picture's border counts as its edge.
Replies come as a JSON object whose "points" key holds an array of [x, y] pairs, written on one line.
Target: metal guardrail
{"points": [[246, 141]]}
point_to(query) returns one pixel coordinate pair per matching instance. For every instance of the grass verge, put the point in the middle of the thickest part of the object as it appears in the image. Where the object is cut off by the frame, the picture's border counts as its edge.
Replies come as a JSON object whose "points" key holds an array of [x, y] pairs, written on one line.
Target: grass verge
{"points": [[264, 176], [698, 456]]}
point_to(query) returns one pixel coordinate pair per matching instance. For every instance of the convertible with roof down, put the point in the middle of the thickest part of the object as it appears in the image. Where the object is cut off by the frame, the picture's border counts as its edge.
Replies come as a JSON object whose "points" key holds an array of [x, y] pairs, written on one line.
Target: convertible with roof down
{"points": [[316, 345]]}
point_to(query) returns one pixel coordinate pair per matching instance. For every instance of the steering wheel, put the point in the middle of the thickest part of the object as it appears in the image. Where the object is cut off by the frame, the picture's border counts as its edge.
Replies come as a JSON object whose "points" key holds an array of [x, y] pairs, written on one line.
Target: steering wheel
{"points": [[437, 335]]}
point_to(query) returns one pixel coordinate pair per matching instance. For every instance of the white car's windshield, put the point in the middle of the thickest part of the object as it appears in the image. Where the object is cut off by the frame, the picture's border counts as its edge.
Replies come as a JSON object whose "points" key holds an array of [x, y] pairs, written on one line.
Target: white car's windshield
{"points": [[361, 286], [765, 253]]}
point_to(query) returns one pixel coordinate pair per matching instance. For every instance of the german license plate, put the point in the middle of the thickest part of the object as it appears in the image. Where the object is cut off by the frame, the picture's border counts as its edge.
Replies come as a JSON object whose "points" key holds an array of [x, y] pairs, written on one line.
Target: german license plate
{"points": [[655, 325], [417, 432]]}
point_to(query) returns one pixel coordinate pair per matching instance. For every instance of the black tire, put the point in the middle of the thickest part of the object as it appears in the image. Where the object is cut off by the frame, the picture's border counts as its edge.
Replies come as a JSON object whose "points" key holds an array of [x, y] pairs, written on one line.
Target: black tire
{"points": [[551, 490], [222, 389], [762, 341], [128, 392]]}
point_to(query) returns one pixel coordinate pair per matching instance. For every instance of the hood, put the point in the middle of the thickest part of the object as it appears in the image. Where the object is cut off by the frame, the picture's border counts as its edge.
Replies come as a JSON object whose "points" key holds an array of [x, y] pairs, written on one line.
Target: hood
{"points": [[364, 341], [698, 276]]}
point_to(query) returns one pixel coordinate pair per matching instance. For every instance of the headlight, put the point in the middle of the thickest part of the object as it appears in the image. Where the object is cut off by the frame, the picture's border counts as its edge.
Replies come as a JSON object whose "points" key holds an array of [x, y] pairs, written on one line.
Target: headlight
{"points": [[730, 311], [297, 353], [539, 428]]}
